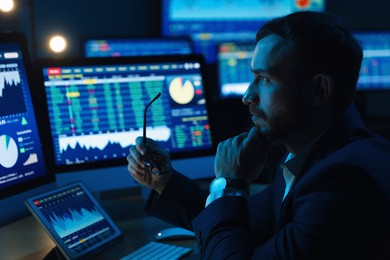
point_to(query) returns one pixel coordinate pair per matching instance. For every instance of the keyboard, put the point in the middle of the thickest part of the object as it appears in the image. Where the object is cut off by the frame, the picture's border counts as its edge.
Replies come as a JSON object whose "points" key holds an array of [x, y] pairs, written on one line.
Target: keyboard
{"points": [[156, 250]]}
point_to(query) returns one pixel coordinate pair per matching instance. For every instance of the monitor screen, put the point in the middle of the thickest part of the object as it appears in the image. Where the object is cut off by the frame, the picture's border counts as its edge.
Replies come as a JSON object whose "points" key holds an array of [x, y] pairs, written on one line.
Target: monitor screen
{"points": [[234, 68], [115, 47], [95, 108], [375, 70], [23, 168], [211, 22], [22, 164]]}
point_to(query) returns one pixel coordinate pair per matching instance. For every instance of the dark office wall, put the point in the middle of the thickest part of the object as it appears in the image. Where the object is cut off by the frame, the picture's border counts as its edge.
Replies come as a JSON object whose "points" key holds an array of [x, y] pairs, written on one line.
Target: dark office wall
{"points": [[78, 19], [368, 15], [362, 14]]}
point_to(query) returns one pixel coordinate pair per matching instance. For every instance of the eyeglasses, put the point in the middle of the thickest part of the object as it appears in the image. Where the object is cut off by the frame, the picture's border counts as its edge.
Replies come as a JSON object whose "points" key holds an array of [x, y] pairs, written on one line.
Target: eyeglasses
{"points": [[155, 168], [146, 109]]}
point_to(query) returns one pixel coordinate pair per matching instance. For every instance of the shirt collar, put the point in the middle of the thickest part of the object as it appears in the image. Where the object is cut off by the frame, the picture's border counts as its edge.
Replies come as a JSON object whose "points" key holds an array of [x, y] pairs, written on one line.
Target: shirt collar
{"points": [[295, 163]]}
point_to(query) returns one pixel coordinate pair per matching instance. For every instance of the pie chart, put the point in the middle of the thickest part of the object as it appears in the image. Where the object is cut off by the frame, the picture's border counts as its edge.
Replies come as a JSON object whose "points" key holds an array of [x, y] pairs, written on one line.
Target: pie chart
{"points": [[181, 91], [8, 151]]}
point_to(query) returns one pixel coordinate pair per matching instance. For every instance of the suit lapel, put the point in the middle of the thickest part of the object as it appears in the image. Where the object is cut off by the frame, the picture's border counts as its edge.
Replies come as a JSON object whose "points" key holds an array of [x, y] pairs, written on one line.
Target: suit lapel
{"points": [[340, 133]]}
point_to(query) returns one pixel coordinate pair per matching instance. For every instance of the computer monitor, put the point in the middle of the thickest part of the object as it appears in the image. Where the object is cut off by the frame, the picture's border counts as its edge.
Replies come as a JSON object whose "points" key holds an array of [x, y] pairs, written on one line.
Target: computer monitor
{"points": [[95, 109], [115, 47], [375, 70], [23, 168], [234, 68], [211, 22]]}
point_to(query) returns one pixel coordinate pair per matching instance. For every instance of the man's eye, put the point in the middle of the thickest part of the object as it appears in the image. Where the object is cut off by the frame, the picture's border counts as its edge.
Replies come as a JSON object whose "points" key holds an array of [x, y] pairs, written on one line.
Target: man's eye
{"points": [[262, 79]]}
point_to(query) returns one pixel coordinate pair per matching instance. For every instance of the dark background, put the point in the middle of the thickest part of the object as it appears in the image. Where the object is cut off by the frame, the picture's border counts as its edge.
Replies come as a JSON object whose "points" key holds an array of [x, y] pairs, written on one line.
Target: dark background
{"points": [[79, 19]]}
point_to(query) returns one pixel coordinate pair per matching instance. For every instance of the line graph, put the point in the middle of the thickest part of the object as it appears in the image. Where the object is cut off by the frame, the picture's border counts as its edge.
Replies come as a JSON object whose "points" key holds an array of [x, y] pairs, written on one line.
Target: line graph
{"points": [[73, 215], [11, 94], [10, 78], [74, 220], [32, 158], [101, 141]]}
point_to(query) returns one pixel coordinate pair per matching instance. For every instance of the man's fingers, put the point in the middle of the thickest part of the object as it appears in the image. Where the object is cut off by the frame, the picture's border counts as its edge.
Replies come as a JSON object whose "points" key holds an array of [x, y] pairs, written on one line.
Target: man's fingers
{"points": [[135, 172], [141, 146], [253, 137], [135, 156]]}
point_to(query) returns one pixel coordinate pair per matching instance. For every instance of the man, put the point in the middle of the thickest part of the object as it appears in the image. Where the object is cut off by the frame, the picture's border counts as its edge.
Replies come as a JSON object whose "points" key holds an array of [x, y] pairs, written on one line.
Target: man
{"points": [[330, 199]]}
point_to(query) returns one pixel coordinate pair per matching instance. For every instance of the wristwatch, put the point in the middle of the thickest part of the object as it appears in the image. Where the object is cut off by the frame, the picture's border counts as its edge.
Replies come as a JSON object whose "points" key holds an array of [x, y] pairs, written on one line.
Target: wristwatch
{"points": [[221, 183]]}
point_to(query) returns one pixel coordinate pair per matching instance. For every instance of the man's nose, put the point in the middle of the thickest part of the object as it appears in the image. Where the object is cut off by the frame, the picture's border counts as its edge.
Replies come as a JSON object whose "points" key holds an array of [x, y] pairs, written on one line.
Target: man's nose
{"points": [[250, 96]]}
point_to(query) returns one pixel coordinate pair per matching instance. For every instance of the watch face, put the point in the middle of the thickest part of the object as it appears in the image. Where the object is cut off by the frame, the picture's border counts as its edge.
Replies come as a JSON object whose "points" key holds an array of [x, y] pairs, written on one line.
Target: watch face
{"points": [[218, 184]]}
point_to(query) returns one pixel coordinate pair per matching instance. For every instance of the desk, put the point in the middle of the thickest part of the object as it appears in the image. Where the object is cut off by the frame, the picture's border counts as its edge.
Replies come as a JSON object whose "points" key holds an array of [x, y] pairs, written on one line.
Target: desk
{"points": [[26, 239]]}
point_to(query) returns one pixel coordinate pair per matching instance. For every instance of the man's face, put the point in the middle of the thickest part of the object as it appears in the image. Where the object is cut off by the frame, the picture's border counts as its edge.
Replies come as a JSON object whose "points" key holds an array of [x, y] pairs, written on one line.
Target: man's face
{"points": [[275, 97]]}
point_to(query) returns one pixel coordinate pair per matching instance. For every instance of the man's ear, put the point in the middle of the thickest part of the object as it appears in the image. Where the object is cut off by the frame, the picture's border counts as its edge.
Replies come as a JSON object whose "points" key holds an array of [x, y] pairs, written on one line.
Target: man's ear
{"points": [[322, 89]]}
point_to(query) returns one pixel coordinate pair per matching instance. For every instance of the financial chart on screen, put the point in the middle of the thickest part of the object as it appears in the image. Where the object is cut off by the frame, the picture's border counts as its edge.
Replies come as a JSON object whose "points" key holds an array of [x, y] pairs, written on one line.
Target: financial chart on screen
{"points": [[115, 47], [375, 69], [21, 156], [209, 22], [74, 219], [69, 212], [96, 111], [234, 68]]}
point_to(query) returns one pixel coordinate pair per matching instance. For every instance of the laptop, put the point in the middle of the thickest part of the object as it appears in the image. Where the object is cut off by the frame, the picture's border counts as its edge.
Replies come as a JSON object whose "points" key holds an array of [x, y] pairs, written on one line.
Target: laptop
{"points": [[74, 220]]}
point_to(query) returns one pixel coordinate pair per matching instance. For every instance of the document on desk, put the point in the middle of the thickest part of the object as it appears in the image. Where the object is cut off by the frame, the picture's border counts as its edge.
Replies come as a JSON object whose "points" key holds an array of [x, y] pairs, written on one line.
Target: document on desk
{"points": [[74, 220]]}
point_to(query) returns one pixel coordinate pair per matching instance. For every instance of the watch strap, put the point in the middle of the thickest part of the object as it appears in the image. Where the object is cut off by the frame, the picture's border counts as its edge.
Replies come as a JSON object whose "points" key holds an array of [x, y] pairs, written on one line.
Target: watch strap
{"points": [[229, 192], [220, 183], [237, 184]]}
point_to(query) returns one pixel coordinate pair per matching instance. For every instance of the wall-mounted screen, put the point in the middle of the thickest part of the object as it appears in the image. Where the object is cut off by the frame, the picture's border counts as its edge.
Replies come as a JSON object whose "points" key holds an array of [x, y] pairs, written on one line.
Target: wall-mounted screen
{"points": [[211, 22], [116, 47], [234, 68], [375, 70]]}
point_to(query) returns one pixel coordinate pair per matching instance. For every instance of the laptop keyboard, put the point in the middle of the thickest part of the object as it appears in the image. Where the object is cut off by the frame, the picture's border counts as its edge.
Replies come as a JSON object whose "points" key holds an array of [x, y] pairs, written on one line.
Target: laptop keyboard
{"points": [[156, 250]]}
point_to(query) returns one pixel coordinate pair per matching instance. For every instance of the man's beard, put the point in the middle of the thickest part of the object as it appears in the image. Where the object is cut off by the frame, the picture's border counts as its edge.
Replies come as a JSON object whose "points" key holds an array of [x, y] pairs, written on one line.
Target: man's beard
{"points": [[285, 120]]}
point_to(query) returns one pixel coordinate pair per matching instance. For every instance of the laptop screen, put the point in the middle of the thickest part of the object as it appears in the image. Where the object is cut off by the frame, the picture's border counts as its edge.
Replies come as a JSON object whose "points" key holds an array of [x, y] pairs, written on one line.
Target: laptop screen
{"points": [[96, 107], [22, 165]]}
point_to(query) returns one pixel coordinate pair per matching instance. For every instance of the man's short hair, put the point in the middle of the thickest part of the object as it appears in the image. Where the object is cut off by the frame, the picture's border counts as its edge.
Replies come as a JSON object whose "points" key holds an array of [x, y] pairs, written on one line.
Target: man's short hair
{"points": [[322, 44]]}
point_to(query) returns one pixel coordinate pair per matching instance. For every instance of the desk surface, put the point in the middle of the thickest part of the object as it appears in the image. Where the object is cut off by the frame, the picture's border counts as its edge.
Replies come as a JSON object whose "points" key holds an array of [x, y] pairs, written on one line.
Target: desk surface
{"points": [[26, 239]]}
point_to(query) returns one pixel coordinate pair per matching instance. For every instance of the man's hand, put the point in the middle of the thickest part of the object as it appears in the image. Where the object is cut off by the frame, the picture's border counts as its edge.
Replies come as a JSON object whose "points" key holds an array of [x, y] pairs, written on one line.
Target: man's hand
{"points": [[140, 171], [242, 157]]}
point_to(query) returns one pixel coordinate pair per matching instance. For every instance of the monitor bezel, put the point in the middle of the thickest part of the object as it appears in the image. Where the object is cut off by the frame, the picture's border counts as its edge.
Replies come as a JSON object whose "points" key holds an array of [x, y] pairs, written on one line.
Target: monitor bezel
{"points": [[41, 63], [49, 177]]}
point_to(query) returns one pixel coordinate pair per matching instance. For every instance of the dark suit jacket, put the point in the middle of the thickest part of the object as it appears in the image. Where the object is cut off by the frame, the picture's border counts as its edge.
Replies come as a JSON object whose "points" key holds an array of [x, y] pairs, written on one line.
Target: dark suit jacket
{"points": [[338, 208]]}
